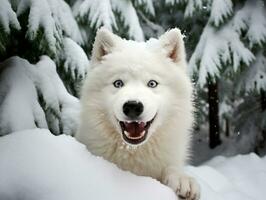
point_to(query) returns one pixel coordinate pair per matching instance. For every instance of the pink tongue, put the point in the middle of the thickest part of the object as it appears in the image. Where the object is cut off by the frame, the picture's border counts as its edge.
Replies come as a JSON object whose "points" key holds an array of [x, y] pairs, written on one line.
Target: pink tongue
{"points": [[134, 128]]}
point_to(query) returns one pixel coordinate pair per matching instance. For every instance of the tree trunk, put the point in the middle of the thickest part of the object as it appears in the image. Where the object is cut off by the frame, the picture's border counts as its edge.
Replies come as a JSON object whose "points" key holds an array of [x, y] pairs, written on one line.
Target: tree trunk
{"points": [[263, 100], [214, 134], [227, 127], [263, 109]]}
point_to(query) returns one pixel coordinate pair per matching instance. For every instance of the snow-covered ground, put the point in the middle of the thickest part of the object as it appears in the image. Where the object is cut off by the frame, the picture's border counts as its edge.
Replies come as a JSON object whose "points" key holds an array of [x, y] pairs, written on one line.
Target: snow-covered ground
{"points": [[38, 165]]}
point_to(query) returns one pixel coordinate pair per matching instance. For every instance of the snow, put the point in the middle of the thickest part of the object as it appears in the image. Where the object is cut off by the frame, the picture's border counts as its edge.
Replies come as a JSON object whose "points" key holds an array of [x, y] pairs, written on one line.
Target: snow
{"points": [[216, 49], [129, 15], [246, 175], [251, 17], [220, 10], [75, 60], [56, 96], [172, 2], [38, 165], [254, 76], [239, 142], [97, 13], [225, 47], [46, 167], [54, 16], [191, 7], [101, 13], [19, 108], [148, 5], [8, 17], [21, 86], [63, 16]]}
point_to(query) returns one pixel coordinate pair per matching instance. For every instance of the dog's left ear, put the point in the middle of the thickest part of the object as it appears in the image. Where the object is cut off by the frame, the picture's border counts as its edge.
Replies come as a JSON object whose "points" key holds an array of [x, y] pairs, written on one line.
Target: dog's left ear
{"points": [[173, 44]]}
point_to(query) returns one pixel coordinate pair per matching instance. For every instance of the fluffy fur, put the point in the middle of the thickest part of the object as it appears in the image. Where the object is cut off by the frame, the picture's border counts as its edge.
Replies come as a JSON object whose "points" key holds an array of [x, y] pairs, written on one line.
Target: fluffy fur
{"points": [[164, 152]]}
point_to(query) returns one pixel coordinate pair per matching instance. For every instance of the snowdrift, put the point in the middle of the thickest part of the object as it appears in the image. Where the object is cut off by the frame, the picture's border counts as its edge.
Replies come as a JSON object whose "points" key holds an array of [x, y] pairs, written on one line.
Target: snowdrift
{"points": [[35, 164]]}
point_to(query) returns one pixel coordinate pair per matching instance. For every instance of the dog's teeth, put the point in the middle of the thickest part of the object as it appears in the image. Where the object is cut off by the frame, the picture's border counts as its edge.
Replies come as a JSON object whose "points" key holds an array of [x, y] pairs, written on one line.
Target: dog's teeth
{"points": [[142, 133], [126, 133]]}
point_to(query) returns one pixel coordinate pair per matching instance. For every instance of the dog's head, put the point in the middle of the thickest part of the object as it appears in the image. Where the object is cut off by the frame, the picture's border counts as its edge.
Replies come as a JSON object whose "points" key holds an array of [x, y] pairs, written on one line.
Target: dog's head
{"points": [[138, 87]]}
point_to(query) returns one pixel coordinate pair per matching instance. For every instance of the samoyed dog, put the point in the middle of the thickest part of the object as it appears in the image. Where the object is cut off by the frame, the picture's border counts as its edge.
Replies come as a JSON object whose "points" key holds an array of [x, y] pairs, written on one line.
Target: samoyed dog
{"points": [[137, 107]]}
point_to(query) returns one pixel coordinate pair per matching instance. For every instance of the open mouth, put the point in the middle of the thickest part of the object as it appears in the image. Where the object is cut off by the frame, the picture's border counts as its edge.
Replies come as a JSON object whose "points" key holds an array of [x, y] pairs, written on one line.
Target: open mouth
{"points": [[135, 132]]}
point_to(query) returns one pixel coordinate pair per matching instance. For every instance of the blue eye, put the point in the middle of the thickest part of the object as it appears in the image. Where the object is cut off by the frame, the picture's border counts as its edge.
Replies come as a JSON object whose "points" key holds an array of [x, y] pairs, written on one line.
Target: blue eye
{"points": [[152, 84], [118, 83]]}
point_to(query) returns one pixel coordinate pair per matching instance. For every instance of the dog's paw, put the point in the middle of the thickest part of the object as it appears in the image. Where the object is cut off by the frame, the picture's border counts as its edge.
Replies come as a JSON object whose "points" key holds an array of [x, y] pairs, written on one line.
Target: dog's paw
{"points": [[185, 186]]}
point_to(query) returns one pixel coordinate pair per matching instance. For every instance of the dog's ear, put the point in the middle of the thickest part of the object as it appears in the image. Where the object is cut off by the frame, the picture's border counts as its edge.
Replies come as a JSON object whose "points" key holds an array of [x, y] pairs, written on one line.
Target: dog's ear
{"points": [[104, 43], [173, 44]]}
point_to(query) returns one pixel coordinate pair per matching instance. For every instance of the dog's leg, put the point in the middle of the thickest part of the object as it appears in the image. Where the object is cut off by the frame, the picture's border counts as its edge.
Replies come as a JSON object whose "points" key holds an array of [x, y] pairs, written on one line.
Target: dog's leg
{"points": [[184, 186]]}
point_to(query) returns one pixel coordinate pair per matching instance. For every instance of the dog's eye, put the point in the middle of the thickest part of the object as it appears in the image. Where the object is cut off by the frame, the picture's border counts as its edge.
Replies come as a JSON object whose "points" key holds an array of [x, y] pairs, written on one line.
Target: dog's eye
{"points": [[118, 83], [152, 84]]}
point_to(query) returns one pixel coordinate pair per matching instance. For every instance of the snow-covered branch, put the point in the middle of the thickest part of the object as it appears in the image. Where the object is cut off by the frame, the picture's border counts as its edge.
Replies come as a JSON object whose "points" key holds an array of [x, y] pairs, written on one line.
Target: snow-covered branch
{"points": [[30, 94]]}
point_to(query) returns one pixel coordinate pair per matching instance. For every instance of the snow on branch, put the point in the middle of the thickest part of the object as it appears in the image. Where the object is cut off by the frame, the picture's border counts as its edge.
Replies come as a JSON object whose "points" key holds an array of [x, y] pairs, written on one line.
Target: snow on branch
{"points": [[216, 49], [19, 108], [128, 13], [74, 58], [220, 11], [8, 17], [95, 13], [29, 93], [172, 2], [100, 13], [54, 17], [8, 20], [254, 76], [251, 18], [148, 6], [192, 6], [56, 96], [64, 17]]}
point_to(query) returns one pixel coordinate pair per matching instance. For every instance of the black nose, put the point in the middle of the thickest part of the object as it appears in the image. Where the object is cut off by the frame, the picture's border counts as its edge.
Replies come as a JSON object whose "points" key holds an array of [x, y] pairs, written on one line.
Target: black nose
{"points": [[133, 109]]}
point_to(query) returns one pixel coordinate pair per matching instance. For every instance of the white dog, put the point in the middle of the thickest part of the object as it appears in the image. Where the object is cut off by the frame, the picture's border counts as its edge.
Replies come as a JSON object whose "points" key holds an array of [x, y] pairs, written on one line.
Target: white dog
{"points": [[137, 107]]}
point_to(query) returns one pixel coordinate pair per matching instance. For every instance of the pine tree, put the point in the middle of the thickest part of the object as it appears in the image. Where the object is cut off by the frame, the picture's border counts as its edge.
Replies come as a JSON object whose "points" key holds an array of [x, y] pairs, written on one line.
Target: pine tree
{"points": [[30, 29], [222, 43], [251, 81]]}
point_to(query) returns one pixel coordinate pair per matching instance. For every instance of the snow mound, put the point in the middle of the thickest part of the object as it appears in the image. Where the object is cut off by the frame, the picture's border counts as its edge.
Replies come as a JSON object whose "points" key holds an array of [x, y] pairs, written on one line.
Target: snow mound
{"points": [[38, 165], [242, 177]]}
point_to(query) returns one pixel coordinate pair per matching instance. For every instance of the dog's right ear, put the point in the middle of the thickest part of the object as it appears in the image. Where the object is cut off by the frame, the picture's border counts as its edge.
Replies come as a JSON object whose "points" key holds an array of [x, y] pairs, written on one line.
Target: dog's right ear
{"points": [[104, 43], [173, 44]]}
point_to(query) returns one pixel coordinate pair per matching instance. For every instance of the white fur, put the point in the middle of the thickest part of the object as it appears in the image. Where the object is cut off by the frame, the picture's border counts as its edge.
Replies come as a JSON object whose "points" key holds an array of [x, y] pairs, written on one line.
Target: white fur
{"points": [[165, 151]]}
